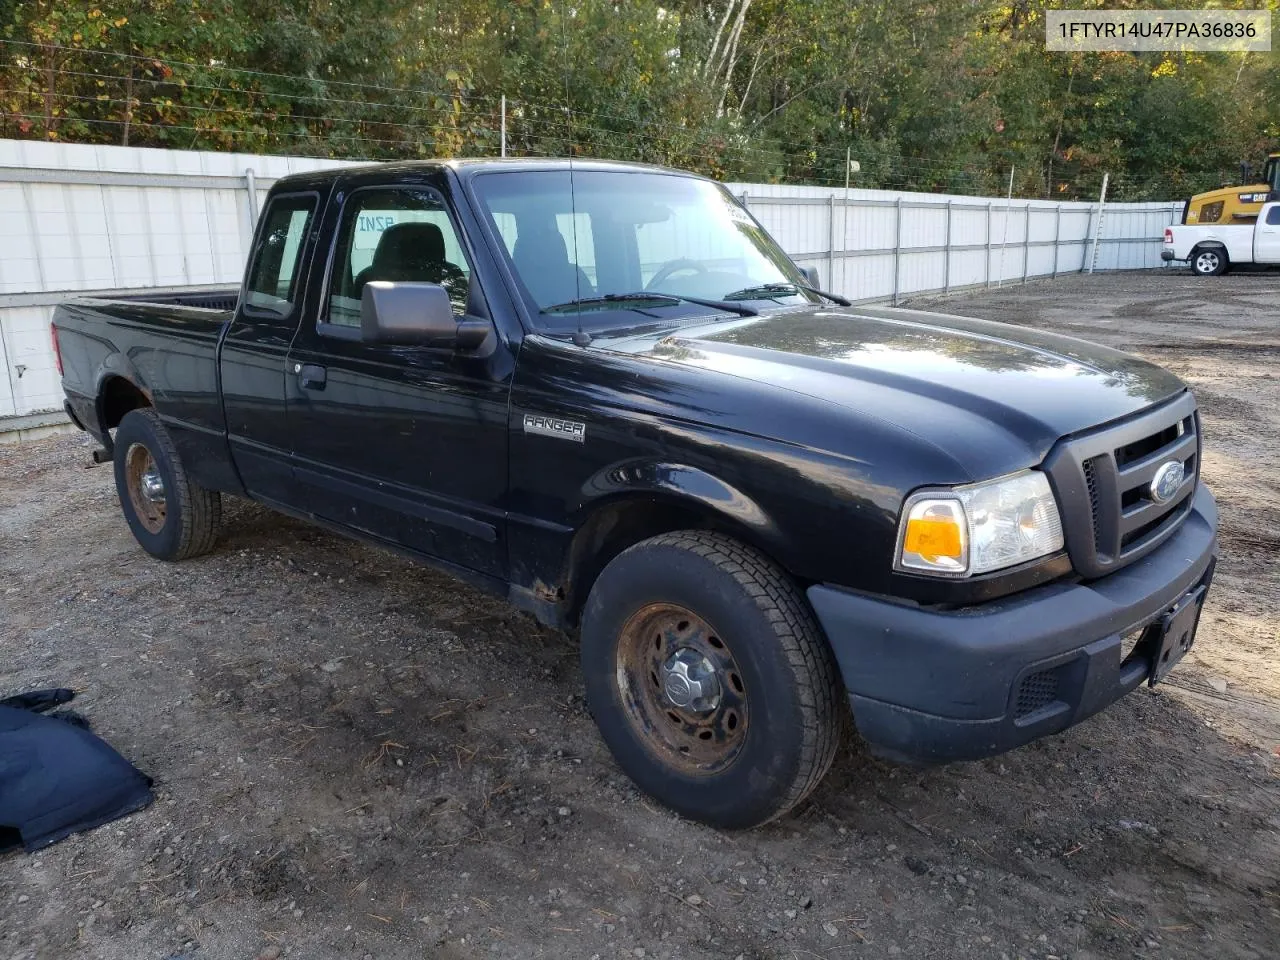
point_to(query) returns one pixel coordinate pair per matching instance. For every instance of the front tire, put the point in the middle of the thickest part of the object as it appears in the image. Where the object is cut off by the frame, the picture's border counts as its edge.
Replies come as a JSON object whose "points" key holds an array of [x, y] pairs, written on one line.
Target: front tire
{"points": [[709, 678], [1209, 261], [171, 516]]}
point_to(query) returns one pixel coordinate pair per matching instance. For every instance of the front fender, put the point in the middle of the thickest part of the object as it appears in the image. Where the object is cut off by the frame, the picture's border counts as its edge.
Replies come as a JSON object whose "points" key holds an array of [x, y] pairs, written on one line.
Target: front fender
{"points": [[683, 484]]}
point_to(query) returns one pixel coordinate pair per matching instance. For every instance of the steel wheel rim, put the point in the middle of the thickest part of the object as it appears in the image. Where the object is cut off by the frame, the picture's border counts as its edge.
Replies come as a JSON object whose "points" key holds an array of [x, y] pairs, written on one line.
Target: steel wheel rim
{"points": [[1207, 262], [704, 736], [146, 488]]}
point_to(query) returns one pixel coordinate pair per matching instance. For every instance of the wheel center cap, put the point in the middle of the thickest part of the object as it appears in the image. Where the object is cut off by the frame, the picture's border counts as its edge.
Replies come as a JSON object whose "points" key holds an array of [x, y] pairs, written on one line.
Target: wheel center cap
{"points": [[153, 486], [678, 689], [689, 681]]}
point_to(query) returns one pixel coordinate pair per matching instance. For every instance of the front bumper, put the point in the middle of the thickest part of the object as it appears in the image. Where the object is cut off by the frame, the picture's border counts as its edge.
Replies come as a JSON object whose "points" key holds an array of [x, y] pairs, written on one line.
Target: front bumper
{"points": [[935, 686]]}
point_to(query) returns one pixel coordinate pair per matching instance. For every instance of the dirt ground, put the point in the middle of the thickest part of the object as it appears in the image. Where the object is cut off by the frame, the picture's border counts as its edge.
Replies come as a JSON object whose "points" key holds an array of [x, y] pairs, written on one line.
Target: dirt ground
{"points": [[356, 757]]}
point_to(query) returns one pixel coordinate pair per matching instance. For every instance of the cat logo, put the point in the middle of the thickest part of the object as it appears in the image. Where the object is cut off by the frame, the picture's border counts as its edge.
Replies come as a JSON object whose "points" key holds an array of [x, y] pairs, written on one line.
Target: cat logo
{"points": [[555, 427]]}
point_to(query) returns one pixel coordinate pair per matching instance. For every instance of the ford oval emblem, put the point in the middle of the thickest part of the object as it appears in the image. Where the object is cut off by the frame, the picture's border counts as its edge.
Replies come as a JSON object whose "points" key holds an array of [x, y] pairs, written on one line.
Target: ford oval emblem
{"points": [[1167, 481]]}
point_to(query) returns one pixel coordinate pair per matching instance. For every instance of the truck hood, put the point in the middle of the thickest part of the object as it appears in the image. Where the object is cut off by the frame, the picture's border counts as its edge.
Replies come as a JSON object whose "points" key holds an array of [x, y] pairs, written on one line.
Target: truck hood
{"points": [[946, 379]]}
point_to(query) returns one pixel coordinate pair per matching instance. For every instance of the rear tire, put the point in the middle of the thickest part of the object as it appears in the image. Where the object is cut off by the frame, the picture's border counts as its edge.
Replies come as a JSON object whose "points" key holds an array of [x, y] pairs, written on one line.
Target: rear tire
{"points": [[699, 617], [171, 516], [1209, 261]]}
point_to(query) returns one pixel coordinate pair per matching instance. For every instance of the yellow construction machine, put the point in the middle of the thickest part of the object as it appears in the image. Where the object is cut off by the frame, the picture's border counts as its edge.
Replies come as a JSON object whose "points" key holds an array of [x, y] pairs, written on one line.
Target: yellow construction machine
{"points": [[1236, 204]]}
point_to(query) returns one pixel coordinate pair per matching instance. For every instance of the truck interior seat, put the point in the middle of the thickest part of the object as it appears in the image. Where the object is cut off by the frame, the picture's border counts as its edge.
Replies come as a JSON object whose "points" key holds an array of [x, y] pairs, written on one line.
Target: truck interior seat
{"points": [[542, 259], [411, 252]]}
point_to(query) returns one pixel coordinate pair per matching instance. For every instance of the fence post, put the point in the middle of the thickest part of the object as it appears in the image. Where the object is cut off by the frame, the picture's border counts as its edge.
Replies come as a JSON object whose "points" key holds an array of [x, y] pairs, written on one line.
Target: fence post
{"points": [[986, 268], [1026, 242], [946, 253], [252, 187], [1174, 210], [503, 138], [897, 248], [1004, 230], [831, 240], [1097, 231], [1057, 238]]}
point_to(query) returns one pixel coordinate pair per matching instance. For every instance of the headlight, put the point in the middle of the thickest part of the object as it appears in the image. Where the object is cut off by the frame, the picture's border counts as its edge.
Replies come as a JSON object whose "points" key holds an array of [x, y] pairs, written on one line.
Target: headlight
{"points": [[963, 531]]}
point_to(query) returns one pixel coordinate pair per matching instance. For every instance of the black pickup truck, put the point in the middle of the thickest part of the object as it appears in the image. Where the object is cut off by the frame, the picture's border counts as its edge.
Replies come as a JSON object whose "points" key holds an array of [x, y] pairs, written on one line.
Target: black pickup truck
{"points": [[602, 391]]}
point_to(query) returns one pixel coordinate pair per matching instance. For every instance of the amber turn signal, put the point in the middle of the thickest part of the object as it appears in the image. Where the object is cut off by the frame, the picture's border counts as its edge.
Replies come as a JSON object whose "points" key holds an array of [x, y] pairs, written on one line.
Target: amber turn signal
{"points": [[934, 538]]}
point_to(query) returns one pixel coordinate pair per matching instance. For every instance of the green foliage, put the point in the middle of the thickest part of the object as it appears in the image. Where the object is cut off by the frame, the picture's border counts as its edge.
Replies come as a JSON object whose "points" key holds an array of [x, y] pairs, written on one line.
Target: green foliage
{"points": [[942, 95]]}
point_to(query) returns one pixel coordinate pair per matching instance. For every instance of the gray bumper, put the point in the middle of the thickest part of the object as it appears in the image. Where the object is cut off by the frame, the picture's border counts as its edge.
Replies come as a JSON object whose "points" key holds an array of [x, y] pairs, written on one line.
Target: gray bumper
{"points": [[936, 686]]}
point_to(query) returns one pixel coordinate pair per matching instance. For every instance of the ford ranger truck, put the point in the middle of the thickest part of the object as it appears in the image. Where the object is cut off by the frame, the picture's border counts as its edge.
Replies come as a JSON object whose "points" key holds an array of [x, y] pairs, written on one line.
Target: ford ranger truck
{"points": [[602, 391]]}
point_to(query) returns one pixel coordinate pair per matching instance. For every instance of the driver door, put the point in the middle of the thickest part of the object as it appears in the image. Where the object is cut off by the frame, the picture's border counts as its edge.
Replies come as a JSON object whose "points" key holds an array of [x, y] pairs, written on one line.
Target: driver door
{"points": [[405, 443]]}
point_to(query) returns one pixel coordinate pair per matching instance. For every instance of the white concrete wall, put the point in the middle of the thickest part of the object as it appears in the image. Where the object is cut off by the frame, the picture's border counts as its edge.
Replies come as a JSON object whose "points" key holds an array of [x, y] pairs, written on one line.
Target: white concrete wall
{"points": [[76, 217]]}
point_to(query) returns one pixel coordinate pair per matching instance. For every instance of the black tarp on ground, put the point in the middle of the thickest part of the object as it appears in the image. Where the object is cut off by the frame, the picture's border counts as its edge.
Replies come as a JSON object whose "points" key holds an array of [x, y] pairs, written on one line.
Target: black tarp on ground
{"points": [[56, 777]]}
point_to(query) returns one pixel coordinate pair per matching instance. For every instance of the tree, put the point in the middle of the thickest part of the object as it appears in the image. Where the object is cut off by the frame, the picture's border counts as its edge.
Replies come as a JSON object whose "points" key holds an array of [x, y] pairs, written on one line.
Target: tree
{"points": [[927, 94]]}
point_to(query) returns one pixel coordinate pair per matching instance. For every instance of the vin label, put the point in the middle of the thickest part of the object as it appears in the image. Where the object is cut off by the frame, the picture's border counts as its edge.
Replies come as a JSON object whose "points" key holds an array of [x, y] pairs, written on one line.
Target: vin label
{"points": [[1138, 30], [555, 427]]}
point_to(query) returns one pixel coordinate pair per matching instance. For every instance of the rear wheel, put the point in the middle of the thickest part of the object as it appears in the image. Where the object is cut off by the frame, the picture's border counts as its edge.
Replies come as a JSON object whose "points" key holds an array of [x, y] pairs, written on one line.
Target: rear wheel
{"points": [[1209, 261], [710, 679], [170, 515]]}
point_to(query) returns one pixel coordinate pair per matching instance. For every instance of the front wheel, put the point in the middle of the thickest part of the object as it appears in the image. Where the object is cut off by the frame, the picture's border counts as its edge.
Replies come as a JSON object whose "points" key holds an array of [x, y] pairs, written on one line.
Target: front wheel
{"points": [[1209, 261], [710, 679], [170, 515]]}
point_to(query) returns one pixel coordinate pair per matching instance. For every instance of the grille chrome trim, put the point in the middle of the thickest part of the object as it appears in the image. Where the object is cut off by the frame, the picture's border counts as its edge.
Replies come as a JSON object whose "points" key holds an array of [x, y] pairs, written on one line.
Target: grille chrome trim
{"points": [[1101, 480]]}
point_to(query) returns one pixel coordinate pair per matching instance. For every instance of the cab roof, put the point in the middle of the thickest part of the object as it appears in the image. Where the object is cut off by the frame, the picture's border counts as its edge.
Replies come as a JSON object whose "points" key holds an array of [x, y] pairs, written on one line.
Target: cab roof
{"points": [[468, 167]]}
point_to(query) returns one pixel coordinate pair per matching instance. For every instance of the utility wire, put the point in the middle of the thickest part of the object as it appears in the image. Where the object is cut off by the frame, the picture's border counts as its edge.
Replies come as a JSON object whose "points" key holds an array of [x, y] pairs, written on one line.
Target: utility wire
{"points": [[783, 145], [893, 170], [242, 70]]}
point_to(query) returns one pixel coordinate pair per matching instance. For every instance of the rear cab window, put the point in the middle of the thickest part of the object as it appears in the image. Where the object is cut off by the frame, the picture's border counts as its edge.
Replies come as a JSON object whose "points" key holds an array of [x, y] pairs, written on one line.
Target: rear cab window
{"points": [[273, 286]]}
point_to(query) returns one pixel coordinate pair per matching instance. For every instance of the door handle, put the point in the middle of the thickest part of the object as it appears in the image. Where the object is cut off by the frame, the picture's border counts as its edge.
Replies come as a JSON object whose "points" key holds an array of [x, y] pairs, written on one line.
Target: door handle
{"points": [[311, 376]]}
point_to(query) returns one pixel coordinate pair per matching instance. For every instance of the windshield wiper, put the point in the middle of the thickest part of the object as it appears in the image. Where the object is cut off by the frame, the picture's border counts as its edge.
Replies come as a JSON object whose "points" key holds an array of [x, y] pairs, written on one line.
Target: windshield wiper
{"points": [[767, 291], [654, 297]]}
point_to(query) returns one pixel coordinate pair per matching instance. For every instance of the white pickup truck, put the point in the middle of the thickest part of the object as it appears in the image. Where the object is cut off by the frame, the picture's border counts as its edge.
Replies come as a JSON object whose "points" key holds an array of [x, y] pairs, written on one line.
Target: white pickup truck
{"points": [[1212, 249]]}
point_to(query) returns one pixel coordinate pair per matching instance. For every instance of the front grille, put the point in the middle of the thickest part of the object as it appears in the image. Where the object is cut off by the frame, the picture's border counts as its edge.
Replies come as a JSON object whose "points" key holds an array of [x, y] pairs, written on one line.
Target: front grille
{"points": [[1091, 485], [1103, 484], [1035, 692]]}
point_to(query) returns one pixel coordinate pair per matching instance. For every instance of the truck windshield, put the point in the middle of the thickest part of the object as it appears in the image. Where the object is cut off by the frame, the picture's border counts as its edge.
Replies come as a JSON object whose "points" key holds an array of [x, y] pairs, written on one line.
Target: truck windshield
{"points": [[593, 242]]}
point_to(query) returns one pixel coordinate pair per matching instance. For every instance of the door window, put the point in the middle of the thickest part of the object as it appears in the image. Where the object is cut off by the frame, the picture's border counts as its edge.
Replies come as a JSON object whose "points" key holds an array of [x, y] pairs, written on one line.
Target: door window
{"points": [[395, 234], [273, 273], [1273, 217]]}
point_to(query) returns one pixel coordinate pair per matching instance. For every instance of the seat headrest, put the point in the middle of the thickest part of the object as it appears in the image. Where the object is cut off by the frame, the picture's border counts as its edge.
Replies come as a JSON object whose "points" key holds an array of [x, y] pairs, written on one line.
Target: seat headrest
{"points": [[407, 246], [540, 240]]}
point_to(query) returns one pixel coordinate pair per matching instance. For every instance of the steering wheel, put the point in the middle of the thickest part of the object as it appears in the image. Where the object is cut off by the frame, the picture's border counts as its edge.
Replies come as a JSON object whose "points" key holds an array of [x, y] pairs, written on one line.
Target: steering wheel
{"points": [[675, 266]]}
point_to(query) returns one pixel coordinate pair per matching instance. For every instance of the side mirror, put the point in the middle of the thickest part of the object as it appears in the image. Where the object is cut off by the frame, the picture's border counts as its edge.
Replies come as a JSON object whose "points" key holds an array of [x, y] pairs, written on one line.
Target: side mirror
{"points": [[811, 277], [415, 314]]}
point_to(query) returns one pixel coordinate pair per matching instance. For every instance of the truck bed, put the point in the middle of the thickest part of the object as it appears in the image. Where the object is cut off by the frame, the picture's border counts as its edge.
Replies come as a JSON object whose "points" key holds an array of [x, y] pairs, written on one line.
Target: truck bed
{"points": [[223, 298], [164, 346], [1237, 238]]}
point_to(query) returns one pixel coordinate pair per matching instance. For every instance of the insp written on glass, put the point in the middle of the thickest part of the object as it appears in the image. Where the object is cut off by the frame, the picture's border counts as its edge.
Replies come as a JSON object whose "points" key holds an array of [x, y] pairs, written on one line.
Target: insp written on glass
{"points": [[1141, 30]]}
